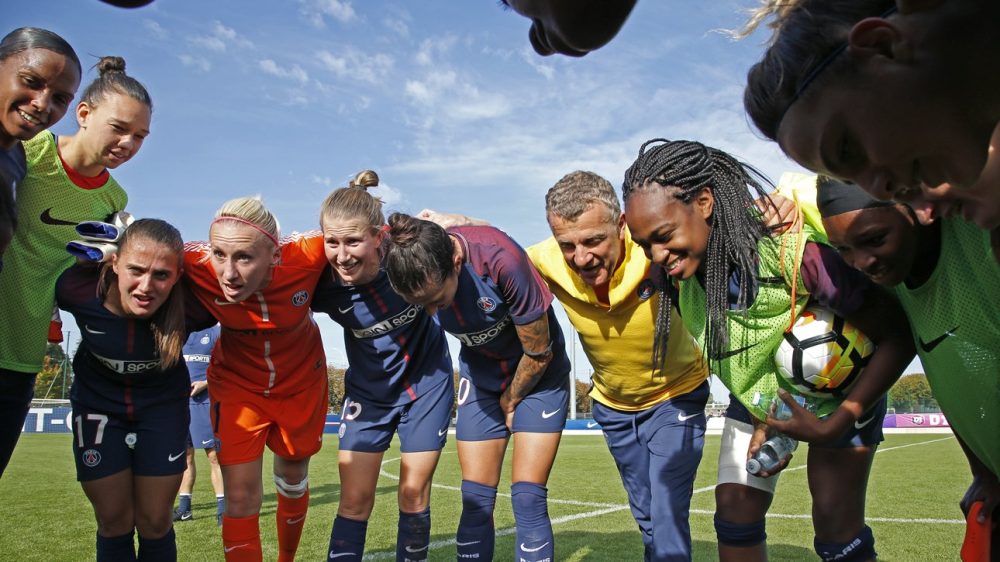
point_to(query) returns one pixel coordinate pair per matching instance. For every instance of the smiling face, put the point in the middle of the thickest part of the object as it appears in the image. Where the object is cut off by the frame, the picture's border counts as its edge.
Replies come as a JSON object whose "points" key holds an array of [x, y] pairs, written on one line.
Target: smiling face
{"points": [[147, 272], [880, 242], [36, 88], [112, 132], [591, 244], [673, 234], [242, 257], [352, 248], [572, 27]]}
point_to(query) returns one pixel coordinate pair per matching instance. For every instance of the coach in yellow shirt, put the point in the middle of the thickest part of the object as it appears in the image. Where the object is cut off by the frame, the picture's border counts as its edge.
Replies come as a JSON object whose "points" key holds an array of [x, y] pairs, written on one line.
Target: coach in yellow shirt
{"points": [[653, 418]]}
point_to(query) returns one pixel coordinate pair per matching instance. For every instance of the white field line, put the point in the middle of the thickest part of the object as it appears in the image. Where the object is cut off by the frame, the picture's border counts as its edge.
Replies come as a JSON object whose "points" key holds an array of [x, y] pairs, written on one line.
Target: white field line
{"points": [[606, 508]]}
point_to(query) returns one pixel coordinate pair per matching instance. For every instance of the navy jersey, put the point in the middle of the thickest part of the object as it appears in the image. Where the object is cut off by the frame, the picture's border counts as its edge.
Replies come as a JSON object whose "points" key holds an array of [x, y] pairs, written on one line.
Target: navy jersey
{"points": [[498, 288], [117, 365], [197, 355], [396, 352]]}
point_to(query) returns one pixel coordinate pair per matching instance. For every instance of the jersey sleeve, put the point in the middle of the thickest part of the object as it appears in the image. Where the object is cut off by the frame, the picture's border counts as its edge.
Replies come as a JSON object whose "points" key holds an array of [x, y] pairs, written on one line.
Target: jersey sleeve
{"points": [[521, 285], [831, 282], [77, 285]]}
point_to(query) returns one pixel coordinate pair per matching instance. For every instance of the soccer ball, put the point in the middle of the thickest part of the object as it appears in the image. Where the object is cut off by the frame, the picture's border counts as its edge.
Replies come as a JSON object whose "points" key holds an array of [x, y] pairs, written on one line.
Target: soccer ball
{"points": [[822, 355]]}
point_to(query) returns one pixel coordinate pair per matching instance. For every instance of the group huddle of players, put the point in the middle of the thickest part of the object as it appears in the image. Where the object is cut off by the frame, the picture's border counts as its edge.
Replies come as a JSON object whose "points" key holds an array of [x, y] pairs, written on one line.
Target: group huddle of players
{"points": [[700, 269]]}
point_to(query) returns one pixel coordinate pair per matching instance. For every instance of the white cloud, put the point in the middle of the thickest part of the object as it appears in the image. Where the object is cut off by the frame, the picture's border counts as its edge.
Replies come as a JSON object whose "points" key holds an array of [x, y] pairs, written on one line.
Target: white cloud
{"points": [[155, 30], [316, 11], [210, 43], [295, 73], [199, 63], [356, 65], [220, 38], [432, 48], [397, 26]]}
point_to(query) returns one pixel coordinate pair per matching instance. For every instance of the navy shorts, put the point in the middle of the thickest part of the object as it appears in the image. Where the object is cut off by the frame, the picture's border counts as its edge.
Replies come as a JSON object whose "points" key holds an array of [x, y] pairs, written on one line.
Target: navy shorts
{"points": [[866, 431], [200, 430], [153, 445], [543, 411], [422, 424]]}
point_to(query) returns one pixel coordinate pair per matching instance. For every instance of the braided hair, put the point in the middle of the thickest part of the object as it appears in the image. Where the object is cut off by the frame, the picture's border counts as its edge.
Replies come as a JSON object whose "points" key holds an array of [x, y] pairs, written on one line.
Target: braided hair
{"points": [[686, 168]]}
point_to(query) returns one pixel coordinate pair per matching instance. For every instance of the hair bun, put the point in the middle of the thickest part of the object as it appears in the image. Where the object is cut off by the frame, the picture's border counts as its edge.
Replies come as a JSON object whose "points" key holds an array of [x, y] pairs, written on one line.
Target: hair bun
{"points": [[403, 229], [364, 180], [110, 64]]}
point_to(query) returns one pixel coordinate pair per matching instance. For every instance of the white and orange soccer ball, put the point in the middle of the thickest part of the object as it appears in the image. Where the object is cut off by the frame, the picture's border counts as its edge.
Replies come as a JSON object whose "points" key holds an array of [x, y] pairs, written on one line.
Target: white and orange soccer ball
{"points": [[822, 355]]}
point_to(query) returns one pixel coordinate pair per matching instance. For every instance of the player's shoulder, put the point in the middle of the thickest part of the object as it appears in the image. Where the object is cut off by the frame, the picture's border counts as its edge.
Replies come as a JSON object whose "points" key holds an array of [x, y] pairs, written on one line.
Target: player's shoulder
{"points": [[78, 284], [303, 249]]}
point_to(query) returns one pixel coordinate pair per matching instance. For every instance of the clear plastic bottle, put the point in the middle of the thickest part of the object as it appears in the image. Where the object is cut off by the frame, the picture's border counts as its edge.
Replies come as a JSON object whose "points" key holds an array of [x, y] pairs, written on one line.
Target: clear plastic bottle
{"points": [[771, 453], [778, 447]]}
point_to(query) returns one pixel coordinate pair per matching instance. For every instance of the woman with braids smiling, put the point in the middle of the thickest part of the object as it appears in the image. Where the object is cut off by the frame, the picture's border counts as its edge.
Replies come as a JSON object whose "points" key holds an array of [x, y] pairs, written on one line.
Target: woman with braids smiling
{"points": [[513, 365], [740, 287]]}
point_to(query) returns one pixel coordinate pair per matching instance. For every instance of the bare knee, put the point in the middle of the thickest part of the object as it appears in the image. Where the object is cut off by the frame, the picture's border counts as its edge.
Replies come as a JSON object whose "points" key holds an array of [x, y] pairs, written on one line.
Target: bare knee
{"points": [[153, 525], [741, 504], [243, 499], [116, 521], [413, 498]]}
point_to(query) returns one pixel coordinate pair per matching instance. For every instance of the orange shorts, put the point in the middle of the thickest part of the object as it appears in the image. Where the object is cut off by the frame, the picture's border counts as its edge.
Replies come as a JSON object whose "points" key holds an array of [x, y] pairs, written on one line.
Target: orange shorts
{"points": [[291, 426]]}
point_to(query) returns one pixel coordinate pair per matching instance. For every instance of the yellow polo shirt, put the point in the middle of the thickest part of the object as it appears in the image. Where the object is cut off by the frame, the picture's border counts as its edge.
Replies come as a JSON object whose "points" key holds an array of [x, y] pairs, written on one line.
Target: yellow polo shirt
{"points": [[618, 339]]}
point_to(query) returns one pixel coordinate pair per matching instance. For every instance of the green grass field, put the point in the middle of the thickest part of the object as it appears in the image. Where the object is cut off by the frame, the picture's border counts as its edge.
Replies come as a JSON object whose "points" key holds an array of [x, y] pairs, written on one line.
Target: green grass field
{"points": [[912, 506]]}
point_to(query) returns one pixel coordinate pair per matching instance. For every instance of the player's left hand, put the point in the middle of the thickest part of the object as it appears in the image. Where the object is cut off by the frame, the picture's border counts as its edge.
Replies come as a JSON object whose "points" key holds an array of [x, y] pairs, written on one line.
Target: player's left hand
{"points": [[779, 216], [803, 424], [508, 404], [760, 434], [198, 387]]}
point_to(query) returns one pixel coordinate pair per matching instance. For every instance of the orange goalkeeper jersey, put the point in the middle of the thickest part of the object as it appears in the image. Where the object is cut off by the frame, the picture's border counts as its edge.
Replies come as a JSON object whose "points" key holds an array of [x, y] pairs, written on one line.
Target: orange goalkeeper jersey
{"points": [[269, 343]]}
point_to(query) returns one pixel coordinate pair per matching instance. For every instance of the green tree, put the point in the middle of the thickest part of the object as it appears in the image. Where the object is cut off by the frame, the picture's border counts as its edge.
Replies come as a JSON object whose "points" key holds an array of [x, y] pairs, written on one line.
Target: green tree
{"points": [[584, 403], [912, 393], [335, 380], [52, 381]]}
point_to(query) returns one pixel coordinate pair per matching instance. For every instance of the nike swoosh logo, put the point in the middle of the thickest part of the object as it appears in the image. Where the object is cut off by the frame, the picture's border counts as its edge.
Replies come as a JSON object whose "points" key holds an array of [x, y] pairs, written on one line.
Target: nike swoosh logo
{"points": [[591, 425], [457, 543], [345, 310], [207, 442], [172, 458], [862, 424], [929, 346], [547, 415], [295, 521], [332, 555], [47, 218], [223, 302], [682, 417], [536, 549], [93, 331], [421, 549], [727, 354], [232, 548], [441, 432]]}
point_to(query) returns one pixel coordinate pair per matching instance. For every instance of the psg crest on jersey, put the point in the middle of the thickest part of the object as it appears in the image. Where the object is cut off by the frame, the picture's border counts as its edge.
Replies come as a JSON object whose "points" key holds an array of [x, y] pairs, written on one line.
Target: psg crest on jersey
{"points": [[300, 298], [91, 457], [487, 304], [645, 289]]}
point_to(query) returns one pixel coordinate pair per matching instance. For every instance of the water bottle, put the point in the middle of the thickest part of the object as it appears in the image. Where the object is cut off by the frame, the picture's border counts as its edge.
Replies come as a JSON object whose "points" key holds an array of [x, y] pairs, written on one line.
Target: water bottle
{"points": [[771, 453], [778, 447]]}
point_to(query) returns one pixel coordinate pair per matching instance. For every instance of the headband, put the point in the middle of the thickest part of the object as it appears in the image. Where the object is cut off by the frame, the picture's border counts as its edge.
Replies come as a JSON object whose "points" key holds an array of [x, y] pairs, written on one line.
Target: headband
{"points": [[825, 62], [250, 224], [835, 197]]}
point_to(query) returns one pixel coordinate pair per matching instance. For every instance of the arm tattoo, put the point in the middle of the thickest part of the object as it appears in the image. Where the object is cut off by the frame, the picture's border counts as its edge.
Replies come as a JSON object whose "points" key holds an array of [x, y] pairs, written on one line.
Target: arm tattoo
{"points": [[537, 347]]}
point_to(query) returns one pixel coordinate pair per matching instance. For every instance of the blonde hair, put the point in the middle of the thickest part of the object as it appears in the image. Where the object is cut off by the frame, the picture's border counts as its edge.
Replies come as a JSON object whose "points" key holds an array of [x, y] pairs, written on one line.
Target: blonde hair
{"points": [[354, 201], [250, 211]]}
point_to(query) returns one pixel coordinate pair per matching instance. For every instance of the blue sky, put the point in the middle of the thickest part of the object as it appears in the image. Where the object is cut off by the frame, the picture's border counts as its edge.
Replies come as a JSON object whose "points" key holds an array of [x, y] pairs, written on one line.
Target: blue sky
{"points": [[443, 98]]}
